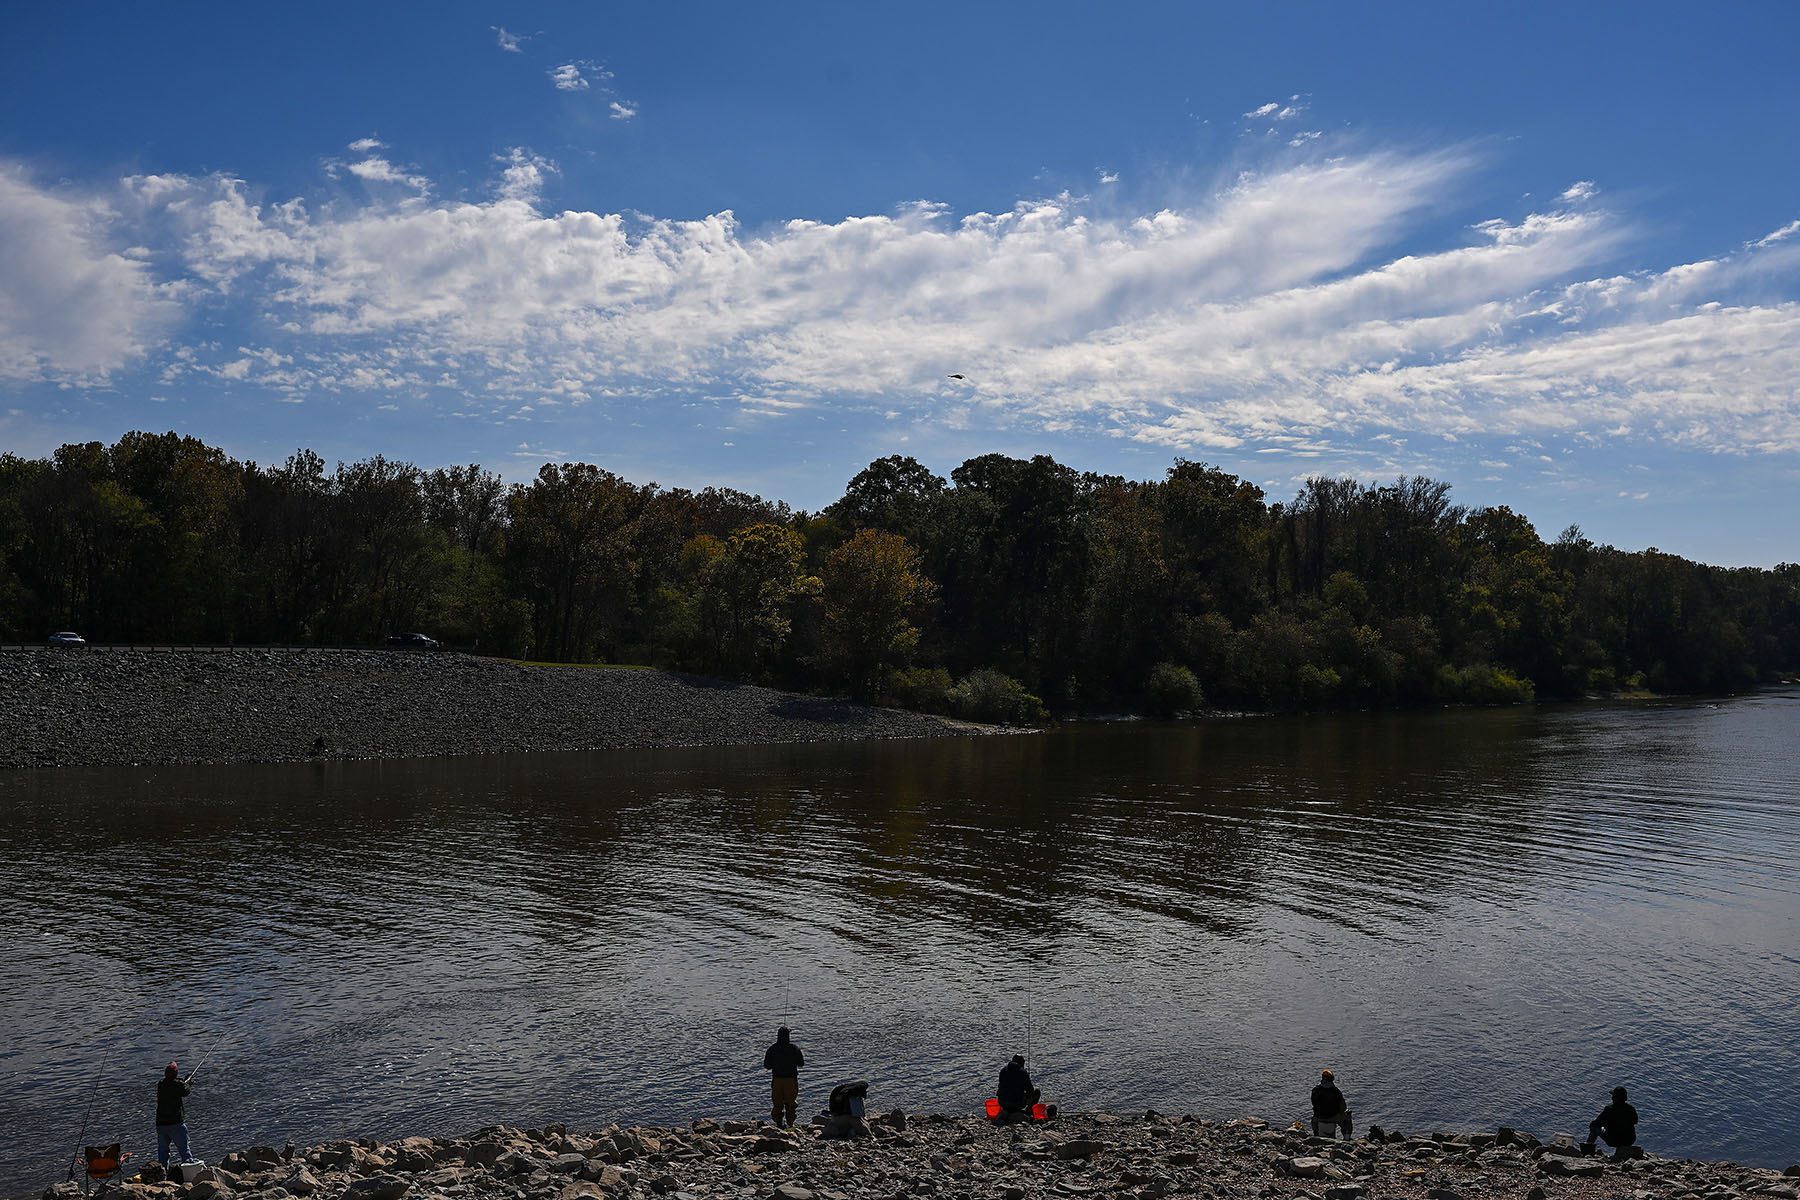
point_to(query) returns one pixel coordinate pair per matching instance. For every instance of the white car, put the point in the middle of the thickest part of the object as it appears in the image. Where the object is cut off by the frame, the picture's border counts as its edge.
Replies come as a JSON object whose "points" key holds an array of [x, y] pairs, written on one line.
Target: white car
{"points": [[67, 638]]}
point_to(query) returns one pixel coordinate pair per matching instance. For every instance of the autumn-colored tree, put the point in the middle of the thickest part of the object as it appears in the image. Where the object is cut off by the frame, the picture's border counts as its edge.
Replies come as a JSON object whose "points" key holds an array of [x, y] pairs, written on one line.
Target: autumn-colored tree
{"points": [[743, 587], [872, 586]]}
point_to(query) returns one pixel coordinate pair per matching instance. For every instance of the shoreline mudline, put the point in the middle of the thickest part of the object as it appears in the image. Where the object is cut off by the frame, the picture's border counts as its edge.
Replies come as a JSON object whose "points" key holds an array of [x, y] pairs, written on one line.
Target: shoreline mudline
{"points": [[1143, 1156], [146, 707]]}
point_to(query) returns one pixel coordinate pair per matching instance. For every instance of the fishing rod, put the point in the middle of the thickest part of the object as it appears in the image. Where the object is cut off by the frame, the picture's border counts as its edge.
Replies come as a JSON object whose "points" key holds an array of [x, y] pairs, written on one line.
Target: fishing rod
{"points": [[222, 1040], [93, 1095], [99, 1078]]}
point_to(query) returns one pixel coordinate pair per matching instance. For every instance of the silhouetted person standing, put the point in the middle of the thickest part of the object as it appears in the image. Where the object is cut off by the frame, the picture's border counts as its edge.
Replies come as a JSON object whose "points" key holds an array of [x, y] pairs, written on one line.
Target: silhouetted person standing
{"points": [[1015, 1093], [171, 1114], [783, 1061], [1617, 1123], [1331, 1112]]}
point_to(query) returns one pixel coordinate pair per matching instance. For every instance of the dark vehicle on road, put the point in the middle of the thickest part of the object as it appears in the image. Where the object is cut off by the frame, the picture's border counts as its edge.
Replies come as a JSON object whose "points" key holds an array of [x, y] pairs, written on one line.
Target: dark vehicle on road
{"points": [[66, 638], [413, 641]]}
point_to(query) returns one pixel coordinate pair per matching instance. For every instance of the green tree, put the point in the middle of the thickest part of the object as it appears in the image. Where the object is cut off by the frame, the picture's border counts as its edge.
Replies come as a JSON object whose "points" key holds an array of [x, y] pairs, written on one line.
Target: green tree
{"points": [[569, 547], [872, 586], [744, 587]]}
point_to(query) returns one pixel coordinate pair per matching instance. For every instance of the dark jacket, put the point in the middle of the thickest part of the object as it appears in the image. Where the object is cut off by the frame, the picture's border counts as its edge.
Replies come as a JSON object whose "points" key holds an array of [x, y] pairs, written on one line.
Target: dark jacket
{"points": [[171, 1101], [1327, 1101], [783, 1059], [843, 1093], [1619, 1123], [1015, 1085]]}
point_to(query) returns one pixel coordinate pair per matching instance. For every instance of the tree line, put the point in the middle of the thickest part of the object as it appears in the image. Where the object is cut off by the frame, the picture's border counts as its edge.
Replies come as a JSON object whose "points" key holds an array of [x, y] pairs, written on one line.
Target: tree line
{"points": [[1012, 586]]}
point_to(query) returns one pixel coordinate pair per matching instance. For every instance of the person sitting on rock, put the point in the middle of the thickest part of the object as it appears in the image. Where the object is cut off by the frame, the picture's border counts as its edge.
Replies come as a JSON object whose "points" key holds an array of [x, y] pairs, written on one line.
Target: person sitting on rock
{"points": [[1331, 1113], [1617, 1123], [783, 1061], [846, 1109], [171, 1115], [1015, 1093]]}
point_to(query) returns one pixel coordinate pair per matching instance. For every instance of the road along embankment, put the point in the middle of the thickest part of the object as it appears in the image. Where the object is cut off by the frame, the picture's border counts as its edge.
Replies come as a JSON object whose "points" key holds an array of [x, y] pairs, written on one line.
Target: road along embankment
{"points": [[1145, 1157], [119, 706]]}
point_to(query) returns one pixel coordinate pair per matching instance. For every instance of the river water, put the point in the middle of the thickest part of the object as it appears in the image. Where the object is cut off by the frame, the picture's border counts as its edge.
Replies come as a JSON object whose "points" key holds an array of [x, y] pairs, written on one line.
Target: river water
{"points": [[1474, 916]]}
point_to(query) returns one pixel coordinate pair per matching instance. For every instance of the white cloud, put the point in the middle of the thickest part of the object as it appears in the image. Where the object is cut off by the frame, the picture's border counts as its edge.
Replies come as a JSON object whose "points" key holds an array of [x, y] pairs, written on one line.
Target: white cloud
{"points": [[1277, 110], [569, 77], [1579, 191], [509, 42], [1780, 235], [1109, 176], [1305, 136], [365, 145], [523, 177], [375, 169], [624, 111], [1273, 312], [72, 308]]}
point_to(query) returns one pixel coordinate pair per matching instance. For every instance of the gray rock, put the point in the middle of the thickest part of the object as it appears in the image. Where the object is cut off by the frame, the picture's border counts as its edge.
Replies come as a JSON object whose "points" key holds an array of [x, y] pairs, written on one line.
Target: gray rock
{"points": [[1444, 1193], [302, 1182], [1304, 1167], [378, 1187], [1078, 1148], [1579, 1168], [1346, 1191], [793, 1191]]}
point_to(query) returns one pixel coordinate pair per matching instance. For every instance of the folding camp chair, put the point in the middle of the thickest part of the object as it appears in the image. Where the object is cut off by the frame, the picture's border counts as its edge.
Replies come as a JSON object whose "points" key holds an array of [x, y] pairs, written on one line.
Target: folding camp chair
{"points": [[104, 1164]]}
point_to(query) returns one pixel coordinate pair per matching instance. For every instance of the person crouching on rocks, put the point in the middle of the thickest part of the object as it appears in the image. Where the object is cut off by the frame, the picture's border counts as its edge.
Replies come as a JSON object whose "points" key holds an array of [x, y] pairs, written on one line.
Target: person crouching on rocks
{"points": [[1617, 1123], [846, 1109], [1015, 1093], [783, 1061], [1331, 1113], [171, 1115]]}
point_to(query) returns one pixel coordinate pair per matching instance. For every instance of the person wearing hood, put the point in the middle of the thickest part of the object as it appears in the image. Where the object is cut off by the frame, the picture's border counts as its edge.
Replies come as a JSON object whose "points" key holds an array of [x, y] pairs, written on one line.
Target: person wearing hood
{"points": [[171, 1114], [1015, 1093], [1331, 1112], [783, 1061]]}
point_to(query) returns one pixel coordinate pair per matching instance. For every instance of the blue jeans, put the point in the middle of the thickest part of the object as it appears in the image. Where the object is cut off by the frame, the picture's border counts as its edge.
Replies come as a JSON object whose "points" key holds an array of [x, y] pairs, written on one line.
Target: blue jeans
{"points": [[171, 1133]]}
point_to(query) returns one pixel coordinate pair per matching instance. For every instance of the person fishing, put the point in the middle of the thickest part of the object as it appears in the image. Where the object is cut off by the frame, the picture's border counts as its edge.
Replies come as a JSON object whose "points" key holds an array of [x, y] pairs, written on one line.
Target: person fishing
{"points": [[1331, 1112], [783, 1061], [1015, 1093], [171, 1114], [1617, 1124]]}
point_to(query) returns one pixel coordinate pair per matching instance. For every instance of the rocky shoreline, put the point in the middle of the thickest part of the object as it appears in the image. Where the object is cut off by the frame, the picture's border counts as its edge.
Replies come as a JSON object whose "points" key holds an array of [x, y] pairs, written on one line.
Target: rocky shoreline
{"points": [[104, 707], [1144, 1156]]}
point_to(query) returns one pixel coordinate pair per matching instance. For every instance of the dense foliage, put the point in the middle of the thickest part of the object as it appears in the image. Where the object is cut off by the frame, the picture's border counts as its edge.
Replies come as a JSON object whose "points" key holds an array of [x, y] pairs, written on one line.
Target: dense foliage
{"points": [[1011, 580]]}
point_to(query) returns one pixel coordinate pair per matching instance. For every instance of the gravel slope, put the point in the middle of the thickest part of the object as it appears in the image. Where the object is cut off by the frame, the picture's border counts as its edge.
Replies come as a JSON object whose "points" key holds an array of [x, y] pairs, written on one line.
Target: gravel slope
{"points": [[1144, 1157], [95, 707]]}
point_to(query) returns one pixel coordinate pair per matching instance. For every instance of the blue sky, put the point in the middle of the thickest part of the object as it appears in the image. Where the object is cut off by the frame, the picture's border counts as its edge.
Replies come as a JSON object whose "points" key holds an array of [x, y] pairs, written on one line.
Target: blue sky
{"points": [[1551, 254]]}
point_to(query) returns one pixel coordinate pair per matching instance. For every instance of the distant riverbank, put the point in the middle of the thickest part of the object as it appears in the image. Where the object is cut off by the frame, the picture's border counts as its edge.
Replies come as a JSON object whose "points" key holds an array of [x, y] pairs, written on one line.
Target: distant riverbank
{"points": [[1143, 1156], [113, 707]]}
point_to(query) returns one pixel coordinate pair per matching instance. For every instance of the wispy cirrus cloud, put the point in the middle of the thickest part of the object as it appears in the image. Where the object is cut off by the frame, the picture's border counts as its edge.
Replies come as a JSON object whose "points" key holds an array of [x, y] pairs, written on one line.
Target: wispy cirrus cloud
{"points": [[1270, 312], [512, 43]]}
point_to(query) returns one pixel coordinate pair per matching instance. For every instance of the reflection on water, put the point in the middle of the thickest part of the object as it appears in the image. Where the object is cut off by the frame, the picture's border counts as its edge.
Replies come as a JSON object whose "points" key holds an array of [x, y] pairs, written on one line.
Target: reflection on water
{"points": [[1475, 917]]}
